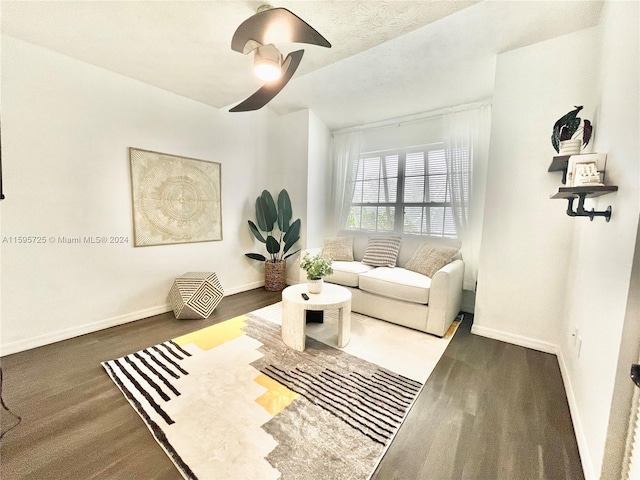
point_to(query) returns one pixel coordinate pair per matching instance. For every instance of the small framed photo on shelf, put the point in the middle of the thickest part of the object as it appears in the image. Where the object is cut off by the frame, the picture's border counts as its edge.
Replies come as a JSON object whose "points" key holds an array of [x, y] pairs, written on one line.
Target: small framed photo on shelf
{"points": [[586, 170]]}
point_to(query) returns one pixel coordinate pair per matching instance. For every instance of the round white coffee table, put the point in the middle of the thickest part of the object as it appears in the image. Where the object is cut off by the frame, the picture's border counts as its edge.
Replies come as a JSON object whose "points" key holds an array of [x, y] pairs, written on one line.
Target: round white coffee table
{"points": [[294, 309]]}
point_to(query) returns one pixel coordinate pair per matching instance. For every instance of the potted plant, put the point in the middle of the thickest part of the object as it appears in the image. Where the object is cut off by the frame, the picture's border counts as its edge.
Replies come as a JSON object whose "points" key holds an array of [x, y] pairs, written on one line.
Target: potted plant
{"points": [[568, 135], [316, 267], [278, 241]]}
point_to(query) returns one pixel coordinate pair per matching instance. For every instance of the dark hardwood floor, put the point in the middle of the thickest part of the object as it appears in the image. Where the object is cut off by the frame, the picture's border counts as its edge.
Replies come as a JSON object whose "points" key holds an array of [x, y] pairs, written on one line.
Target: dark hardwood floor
{"points": [[489, 411]]}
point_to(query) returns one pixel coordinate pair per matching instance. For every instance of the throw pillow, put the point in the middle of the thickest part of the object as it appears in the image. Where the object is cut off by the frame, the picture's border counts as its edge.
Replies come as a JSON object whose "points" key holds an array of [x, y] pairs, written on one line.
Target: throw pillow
{"points": [[382, 251], [429, 258], [339, 249]]}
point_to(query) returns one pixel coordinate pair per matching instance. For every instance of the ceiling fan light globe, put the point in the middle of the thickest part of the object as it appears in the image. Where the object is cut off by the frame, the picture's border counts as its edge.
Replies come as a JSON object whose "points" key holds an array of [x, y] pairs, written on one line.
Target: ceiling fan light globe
{"points": [[267, 63], [267, 71]]}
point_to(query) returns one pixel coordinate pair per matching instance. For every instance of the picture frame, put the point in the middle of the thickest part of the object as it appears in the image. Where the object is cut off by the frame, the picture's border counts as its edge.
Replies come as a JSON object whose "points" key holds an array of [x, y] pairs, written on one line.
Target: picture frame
{"points": [[579, 165], [175, 199]]}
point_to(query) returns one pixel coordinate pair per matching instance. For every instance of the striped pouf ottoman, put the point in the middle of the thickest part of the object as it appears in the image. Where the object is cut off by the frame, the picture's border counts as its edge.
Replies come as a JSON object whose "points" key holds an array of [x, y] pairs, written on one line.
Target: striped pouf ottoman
{"points": [[195, 295]]}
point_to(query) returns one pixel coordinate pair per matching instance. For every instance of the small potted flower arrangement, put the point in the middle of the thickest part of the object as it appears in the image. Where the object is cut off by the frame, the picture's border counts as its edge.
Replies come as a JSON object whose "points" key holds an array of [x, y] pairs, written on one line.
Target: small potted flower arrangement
{"points": [[316, 267]]}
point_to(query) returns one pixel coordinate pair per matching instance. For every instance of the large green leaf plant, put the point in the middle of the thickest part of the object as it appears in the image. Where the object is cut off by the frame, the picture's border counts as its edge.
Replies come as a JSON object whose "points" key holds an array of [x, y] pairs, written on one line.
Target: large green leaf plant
{"points": [[277, 242]]}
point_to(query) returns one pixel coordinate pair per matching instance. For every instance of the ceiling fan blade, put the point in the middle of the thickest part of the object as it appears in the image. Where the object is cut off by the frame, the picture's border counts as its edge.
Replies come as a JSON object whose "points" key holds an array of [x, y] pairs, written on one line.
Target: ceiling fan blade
{"points": [[276, 25], [271, 89]]}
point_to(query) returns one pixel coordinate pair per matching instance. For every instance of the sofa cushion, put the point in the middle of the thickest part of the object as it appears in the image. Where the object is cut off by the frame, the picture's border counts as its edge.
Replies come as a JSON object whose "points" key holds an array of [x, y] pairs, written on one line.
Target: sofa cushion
{"points": [[338, 248], [382, 251], [346, 273], [398, 283], [408, 247], [429, 258]]}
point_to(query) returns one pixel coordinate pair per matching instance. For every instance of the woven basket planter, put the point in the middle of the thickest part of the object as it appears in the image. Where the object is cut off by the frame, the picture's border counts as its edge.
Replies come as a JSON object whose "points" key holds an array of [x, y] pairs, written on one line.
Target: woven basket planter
{"points": [[275, 275]]}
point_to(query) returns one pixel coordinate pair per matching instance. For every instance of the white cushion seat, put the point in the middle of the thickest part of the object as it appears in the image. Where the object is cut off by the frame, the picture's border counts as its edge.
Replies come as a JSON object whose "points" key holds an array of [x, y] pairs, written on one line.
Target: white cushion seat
{"points": [[392, 290], [398, 283], [347, 273]]}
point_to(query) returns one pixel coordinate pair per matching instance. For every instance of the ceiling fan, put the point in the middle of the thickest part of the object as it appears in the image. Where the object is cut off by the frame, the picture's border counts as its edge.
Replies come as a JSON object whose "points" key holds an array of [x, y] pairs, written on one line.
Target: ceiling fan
{"points": [[258, 34]]}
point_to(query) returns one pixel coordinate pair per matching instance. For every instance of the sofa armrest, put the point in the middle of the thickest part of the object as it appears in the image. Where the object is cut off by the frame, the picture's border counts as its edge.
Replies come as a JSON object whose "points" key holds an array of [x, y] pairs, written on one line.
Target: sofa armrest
{"points": [[445, 296]]}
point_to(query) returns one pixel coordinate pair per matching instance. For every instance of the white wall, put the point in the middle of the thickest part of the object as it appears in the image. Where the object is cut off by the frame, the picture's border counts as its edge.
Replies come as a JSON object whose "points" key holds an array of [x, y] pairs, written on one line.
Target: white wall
{"points": [[542, 273], [602, 253], [1, 233], [287, 159], [400, 135], [297, 159], [526, 236], [66, 131], [621, 403], [317, 181]]}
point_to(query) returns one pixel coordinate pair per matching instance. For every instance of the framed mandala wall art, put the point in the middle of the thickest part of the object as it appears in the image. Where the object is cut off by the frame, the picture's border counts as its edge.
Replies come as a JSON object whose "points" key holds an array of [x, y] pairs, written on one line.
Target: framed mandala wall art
{"points": [[175, 199]]}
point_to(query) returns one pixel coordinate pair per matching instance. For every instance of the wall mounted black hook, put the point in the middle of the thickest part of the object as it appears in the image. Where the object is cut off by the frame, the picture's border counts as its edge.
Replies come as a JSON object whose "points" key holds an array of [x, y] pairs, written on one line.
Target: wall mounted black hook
{"points": [[582, 212]]}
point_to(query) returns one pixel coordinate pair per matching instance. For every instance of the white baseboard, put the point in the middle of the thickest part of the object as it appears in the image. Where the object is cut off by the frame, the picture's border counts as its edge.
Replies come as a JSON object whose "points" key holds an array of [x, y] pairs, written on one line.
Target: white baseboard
{"points": [[57, 336], [583, 447], [243, 288], [520, 340], [546, 347], [67, 333]]}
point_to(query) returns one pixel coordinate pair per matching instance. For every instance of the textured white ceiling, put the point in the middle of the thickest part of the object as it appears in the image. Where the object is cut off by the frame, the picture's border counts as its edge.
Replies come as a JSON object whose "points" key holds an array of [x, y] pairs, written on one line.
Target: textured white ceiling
{"points": [[447, 63], [388, 57]]}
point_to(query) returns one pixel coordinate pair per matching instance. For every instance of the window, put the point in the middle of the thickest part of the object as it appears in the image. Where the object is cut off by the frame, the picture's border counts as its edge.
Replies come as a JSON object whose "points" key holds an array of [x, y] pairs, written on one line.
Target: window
{"points": [[404, 190], [375, 192]]}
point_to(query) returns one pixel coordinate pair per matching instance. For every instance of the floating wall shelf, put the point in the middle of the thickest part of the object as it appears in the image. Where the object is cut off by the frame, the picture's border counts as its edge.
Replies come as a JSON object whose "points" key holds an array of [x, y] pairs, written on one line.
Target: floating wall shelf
{"points": [[587, 191], [560, 164]]}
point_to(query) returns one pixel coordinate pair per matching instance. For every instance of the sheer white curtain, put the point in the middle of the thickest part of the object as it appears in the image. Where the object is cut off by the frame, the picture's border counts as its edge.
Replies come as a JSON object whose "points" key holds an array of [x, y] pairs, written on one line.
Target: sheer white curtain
{"points": [[345, 152], [466, 142]]}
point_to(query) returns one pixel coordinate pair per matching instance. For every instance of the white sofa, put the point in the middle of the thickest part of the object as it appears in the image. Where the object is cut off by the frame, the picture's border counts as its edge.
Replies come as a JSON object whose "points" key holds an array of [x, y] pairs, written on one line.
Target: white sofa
{"points": [[399, 295]]}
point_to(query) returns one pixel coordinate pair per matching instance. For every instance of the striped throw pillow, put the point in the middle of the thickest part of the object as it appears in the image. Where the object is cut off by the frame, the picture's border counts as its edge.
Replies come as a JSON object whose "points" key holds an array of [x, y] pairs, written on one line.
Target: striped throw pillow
{"points": [[382, 251]]}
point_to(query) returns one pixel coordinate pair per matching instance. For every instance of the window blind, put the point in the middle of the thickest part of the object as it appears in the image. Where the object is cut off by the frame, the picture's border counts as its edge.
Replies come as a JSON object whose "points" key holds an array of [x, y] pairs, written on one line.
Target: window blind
{"points": [[405, 190]]}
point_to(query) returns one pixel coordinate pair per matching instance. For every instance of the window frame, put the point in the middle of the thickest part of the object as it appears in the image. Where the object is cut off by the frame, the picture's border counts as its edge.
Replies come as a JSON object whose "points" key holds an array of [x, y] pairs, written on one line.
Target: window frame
{"points": [[399, 204]]}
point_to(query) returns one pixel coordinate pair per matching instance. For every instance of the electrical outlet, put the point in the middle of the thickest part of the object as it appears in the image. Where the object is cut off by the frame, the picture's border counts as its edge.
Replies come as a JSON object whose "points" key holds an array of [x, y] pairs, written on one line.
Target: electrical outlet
{"points": [[578, 346]]}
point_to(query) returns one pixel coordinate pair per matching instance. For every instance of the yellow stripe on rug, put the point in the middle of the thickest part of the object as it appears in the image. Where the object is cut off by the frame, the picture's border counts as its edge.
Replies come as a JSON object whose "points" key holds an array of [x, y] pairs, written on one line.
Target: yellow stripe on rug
{"points": [[452, 329], [215, 335], [276, 398]]}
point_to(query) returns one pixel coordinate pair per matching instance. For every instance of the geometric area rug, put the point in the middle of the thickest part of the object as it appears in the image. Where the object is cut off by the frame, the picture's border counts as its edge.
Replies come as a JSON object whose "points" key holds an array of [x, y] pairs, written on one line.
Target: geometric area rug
{"points": [[231, 401]]}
